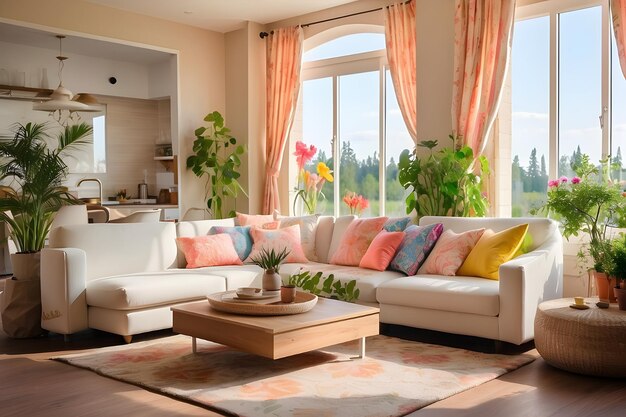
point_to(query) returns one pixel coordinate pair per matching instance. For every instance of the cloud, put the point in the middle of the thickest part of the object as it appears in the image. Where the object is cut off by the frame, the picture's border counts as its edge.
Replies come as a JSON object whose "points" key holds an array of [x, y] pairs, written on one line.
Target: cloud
{"points": [[524, 115]]}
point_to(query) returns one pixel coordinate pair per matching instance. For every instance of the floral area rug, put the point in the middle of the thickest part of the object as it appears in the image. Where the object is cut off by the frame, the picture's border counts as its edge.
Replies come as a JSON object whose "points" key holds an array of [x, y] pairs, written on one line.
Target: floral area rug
{"points": [[395, 378]]}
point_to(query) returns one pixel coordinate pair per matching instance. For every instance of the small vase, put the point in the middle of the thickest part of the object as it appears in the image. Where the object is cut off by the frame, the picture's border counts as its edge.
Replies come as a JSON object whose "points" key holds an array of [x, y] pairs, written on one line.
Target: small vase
{"points": [[603, 286], [271, 280]]}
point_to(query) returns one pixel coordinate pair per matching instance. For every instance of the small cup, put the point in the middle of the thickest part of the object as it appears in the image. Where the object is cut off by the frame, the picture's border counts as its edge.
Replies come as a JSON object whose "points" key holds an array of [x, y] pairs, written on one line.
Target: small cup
{"points": [[288, 293], [579, 301]]}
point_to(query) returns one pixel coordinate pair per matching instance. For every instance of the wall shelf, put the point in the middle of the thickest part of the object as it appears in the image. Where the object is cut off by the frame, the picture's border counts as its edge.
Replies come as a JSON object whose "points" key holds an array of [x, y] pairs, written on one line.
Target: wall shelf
{"points": [[13, 92]]}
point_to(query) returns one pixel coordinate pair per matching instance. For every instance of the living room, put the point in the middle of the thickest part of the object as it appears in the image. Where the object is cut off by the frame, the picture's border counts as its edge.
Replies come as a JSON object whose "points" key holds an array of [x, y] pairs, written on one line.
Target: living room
{"points": [[175, 63]]}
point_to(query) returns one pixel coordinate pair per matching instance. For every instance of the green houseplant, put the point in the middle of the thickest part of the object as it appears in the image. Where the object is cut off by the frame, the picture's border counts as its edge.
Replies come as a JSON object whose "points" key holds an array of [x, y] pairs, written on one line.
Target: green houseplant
{"points": [[447, 182], [330, 288], [587, 203], [32, 171], [270, 261], [217, 157], [615, 266]]}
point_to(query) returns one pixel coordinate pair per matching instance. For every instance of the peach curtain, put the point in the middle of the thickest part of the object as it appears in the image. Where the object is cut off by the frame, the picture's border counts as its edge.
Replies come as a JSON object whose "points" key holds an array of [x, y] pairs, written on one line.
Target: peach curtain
{"points": [[284, 57], [400, 39], [618, 12], [483, 30]]}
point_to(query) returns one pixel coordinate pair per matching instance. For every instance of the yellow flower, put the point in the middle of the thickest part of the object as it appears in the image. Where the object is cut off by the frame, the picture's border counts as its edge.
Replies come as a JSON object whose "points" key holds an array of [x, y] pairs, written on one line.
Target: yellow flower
{"points": [[324, 172]]}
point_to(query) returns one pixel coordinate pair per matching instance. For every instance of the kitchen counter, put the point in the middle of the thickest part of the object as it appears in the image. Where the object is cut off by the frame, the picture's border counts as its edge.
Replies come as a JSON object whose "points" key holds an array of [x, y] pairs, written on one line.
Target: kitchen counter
{"points": [[122, 206]]}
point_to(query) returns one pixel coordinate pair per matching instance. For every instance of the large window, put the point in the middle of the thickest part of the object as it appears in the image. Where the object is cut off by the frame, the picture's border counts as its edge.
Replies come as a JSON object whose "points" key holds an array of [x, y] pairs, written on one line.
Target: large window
{"points": [[568, 95], [350, 113]]}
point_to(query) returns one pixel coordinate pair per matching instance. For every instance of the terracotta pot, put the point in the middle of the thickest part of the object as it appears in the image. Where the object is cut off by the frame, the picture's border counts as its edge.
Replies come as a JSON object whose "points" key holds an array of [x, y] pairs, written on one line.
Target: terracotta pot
{"points": [[603, 286], [271, 280], [620, 294]]}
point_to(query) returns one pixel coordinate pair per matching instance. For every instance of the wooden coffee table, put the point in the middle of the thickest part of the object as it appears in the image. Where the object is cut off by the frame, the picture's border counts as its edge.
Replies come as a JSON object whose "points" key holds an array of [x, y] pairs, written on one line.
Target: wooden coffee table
{"points": [[330, 322]]}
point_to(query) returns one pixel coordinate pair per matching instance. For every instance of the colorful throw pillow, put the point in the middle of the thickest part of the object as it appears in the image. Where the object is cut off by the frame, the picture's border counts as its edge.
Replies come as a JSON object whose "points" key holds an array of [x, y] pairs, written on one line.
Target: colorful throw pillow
{"points": [[417, 243], [288, 237], [397, 224], [355, 241], [253, 219], [382, 250], [450, 252], [240, 235], [492, 250], [308, 228], [208, 250]]}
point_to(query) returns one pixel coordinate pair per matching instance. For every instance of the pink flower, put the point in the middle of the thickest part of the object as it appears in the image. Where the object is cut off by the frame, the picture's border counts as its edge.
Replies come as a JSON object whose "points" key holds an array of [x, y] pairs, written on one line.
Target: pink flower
{"points": [[575, 180], [553, 183], [563, 179], [304, 154]]}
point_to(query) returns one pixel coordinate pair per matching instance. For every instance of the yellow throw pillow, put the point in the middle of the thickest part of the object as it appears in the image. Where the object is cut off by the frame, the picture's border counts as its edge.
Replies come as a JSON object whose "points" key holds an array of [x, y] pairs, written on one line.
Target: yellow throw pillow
{"points": [[491, 251]]}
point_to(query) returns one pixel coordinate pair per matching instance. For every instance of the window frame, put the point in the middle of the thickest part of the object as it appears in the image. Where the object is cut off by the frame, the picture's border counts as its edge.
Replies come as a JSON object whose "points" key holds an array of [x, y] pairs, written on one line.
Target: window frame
{"points": [[346, 65], [553, 8]]}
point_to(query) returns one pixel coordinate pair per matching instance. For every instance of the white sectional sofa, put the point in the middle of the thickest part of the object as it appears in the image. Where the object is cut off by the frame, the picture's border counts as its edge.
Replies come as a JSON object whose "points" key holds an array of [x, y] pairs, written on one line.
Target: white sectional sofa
{"points": [[123, 279]]}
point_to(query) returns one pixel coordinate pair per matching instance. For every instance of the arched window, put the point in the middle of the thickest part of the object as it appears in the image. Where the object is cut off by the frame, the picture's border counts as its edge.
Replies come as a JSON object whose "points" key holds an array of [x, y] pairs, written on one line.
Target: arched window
{"points": [[348, 110]]}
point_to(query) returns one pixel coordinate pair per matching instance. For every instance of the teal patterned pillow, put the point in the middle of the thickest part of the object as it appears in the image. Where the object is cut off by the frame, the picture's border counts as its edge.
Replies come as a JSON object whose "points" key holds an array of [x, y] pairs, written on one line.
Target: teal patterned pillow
{"points": [[240, 236], [397, 224], [417, 243]]}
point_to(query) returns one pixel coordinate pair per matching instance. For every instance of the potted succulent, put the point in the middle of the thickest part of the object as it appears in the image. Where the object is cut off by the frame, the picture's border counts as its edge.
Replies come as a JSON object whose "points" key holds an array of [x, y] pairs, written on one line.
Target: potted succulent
{"points": [[589, 203], [444, 183], [214, 160], [270, 261], [32, 171]]}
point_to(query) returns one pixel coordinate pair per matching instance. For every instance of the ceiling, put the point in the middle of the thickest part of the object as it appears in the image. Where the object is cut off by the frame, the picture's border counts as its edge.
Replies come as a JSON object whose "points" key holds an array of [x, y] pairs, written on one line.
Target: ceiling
{"points": [[221, 15], [79, 45]]}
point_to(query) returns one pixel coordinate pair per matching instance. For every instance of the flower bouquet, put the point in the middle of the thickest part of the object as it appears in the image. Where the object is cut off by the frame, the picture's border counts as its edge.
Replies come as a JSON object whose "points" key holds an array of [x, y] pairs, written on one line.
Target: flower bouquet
{"points": [[356, 203], [309, 185]]}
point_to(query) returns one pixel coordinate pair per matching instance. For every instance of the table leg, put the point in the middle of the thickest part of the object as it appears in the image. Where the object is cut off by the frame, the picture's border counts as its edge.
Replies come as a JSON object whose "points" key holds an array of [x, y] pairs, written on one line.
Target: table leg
{"points": [[194, 345], [361, 348]]}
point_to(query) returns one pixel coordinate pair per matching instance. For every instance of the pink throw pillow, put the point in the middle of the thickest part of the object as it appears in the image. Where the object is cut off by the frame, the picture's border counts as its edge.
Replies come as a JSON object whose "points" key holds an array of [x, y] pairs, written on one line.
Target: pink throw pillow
{"points": [[357, 238], [209, 250], [382, 250], [254, 219], [450, 252], [288, 237]]}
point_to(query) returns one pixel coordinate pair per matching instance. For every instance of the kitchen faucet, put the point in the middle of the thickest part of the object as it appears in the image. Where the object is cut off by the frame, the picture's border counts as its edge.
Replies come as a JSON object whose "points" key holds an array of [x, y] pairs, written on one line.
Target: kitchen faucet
{"points": [[92, 180]]}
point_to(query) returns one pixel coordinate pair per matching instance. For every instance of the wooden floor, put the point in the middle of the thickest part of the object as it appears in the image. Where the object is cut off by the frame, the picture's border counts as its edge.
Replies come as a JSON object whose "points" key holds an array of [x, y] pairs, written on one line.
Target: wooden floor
{"points": [[32, 385]]}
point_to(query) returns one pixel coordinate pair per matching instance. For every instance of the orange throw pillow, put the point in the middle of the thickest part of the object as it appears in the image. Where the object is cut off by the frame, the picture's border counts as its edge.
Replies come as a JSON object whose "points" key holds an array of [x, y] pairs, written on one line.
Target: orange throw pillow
{"points": [[209, 250], [355, 241], [382, 250]]}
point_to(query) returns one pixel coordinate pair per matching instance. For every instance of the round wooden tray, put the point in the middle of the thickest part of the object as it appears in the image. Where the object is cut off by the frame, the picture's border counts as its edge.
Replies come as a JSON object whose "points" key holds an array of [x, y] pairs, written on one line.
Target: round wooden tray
{"points": [[303, 303]]}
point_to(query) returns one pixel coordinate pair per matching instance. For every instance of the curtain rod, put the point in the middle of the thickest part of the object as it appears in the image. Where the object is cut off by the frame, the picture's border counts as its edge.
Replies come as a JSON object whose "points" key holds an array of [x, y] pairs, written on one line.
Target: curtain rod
{"points": [[265, 34]]}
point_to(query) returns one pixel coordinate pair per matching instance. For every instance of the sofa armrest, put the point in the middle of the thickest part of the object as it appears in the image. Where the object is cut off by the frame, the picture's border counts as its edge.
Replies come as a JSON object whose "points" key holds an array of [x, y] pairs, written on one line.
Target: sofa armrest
{"points": [[63, 297], [525, 282]]}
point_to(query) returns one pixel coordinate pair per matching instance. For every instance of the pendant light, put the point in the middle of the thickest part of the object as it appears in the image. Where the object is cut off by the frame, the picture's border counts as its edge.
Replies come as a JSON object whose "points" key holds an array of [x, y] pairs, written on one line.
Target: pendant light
{"points": [[63, 99]]}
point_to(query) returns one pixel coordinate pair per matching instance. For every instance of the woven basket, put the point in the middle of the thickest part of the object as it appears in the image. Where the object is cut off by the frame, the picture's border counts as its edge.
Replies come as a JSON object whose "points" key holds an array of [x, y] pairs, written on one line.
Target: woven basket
{"points": [[220, 301]]}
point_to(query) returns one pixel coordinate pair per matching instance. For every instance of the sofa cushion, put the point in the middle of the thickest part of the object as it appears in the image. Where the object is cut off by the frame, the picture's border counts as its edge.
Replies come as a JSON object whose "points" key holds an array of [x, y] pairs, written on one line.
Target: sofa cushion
{"points": [[367, 280], [417, 243], [240, 235], [308, 228], [286, 238], [450, 251], [209, 250], [324, 237], [492, 250], [130, 292], [357, 238], [470, 295], [397, 224], [339, 229], [382, 250], [243, 219], [236, 275]]}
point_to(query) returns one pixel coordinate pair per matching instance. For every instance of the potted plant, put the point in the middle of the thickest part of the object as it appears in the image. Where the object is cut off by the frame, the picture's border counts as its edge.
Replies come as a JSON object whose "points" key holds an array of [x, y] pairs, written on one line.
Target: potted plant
{"points": [[444, 183], [588, 203], [615, 266], [270, 261], [219, 165], [32, 169]]}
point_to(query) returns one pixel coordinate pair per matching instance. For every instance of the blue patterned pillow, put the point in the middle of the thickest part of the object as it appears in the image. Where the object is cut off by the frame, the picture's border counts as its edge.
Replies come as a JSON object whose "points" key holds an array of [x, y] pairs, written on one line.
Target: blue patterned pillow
{"points": [[417, 243], [397, 224], [240, 236]]}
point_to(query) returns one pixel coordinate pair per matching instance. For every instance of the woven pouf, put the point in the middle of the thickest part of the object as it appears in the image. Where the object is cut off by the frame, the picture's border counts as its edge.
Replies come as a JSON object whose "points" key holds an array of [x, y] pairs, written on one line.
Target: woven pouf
{"points": [[590, 342]]}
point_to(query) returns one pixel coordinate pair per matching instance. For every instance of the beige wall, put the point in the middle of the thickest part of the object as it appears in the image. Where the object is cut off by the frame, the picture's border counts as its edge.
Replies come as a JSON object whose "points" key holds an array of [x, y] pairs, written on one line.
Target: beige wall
{"points": [[200, 61]]}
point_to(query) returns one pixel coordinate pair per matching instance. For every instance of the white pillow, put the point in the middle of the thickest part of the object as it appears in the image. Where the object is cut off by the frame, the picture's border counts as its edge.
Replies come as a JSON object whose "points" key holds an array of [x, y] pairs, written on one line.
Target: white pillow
{"points": [[308, 228]]}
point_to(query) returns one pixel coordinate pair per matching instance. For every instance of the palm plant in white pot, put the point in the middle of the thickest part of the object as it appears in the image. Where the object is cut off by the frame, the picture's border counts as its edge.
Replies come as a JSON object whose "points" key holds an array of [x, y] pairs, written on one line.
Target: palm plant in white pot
{"points": [[32, 171]]}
